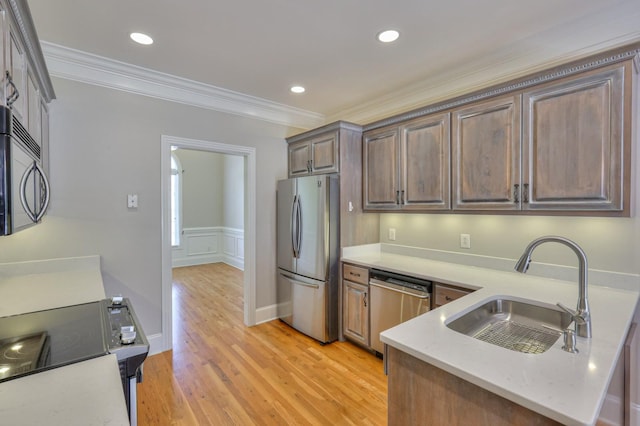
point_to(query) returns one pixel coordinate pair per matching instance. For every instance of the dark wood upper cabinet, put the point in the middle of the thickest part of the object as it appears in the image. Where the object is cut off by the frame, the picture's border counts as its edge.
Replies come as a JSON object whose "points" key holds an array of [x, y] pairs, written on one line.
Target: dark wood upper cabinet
{"points": [[381, 169], [576, 146], [408, 166], [486, 155], [558, 142], [425, 154], [316, 155]]}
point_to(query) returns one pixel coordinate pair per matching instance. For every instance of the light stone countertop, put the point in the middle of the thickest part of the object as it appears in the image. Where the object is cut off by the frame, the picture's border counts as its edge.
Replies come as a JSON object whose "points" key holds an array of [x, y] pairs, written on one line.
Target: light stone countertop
{"points": [[569, 388], [84, 394], [47, 284]]}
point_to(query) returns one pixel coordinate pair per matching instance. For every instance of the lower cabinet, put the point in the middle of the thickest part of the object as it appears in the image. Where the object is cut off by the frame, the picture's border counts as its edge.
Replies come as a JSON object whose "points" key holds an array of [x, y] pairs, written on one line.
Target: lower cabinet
{"points": [[422, 394], [356, 312], [355, 304], [443, 294]]}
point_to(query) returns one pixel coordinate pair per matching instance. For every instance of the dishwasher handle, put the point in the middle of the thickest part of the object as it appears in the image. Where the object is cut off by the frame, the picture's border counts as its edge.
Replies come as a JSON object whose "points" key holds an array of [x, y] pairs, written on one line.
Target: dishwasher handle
{"points": [[399, 289]]}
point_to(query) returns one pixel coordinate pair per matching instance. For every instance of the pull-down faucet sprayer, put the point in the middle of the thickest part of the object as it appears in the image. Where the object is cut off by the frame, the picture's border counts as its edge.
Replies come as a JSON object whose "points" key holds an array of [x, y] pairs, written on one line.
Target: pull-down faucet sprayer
{"points": [[581, 316]]}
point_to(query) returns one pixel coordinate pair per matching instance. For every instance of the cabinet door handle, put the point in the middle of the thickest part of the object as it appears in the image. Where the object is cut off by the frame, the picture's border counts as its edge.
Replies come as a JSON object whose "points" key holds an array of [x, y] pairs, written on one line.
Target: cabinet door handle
{"points": [[448, 299], [402, 197], [354, 274], [516, 193], [398, 197], [364, 299], [309, 166], [525, 193], [14, 94]]}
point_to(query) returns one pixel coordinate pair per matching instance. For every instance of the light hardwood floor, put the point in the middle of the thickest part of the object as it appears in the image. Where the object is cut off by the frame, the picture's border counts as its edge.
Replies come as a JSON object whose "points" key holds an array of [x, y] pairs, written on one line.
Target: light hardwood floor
{"points": [[223, 373]]}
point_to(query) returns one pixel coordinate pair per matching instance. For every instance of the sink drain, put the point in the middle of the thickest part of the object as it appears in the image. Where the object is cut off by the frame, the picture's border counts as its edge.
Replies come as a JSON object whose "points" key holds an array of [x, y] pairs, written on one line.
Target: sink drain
{"points": [[517, 337]]}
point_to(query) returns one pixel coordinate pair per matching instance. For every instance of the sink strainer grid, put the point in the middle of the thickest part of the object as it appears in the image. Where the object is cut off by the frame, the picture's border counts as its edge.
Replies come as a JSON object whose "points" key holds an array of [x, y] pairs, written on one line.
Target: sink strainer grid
{"points": [[517, 337]]}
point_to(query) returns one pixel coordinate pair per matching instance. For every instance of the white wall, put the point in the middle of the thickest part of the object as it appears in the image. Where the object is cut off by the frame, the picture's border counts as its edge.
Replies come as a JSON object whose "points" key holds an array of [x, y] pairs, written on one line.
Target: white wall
{"points": [[105, 144], [202, 188], [233, 181], [212, 189], [611, 244]]}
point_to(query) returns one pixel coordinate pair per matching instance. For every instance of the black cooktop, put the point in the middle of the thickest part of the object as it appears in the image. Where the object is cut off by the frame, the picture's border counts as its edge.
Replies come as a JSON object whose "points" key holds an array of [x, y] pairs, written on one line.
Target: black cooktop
{"points": [[41, 340]]}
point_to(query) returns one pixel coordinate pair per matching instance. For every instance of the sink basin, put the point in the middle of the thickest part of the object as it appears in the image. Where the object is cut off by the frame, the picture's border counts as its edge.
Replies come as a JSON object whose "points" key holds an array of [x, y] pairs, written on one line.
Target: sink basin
{"points": [[513, 324]]}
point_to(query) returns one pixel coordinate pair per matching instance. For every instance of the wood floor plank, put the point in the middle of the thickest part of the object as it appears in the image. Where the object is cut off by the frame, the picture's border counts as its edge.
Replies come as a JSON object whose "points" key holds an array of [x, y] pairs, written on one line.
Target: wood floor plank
{"points": [[221, 372]]}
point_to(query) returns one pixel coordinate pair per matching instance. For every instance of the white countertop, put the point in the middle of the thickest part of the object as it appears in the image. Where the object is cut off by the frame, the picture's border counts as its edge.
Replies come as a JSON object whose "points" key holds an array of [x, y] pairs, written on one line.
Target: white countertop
{"points": [[38, 285], [569, 388], [84, 394]]}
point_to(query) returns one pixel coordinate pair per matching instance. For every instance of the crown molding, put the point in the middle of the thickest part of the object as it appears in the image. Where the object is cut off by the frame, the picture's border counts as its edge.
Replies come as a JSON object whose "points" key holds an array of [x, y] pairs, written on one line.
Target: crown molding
{"points": [[502, 67], [628, 53], [75, 65]]}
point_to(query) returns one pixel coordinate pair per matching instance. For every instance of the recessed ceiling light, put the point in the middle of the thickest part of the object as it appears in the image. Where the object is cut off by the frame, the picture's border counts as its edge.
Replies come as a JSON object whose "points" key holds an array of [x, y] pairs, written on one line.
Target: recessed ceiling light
{"points": [[297, 89], [388, 36], [141, 38]]}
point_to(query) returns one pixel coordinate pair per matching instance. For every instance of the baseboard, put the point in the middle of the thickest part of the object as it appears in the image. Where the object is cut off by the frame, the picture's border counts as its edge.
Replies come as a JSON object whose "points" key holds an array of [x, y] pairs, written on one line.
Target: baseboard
{"points": [[612, 412], [267, 313], [236, 263], [155, 344], [197, 260]]}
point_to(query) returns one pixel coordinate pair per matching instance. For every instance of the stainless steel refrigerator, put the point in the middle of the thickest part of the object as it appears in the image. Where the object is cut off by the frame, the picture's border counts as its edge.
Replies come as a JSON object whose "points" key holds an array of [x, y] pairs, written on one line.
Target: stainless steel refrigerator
{"points": [[307, 255]]}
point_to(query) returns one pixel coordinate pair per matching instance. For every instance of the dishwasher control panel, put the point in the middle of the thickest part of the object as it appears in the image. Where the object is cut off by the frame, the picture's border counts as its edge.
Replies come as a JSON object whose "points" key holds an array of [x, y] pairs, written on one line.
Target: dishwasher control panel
{"points": [[408, 282]]}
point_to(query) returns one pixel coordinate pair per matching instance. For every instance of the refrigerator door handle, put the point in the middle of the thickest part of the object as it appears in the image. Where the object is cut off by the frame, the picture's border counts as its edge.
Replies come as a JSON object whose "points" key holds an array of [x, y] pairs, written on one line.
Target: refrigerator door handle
{"points": [[296, 281], [299, 220], [294, 226]]}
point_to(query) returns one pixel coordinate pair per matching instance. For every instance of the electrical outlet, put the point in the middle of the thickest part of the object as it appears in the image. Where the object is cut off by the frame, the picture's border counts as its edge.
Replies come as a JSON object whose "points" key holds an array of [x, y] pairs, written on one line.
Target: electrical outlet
{"points": [[392, 234], [465, 241]]}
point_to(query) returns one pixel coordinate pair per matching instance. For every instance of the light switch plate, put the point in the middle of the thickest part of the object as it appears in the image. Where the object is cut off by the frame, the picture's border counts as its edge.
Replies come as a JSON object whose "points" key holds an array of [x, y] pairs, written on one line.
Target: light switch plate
{"points": [[392, 234], [132, 201]]}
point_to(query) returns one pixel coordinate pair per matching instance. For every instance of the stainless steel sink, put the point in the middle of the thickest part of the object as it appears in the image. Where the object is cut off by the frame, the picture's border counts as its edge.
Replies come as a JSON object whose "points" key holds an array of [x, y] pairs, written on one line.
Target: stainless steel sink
{"points": [[513, 324]]}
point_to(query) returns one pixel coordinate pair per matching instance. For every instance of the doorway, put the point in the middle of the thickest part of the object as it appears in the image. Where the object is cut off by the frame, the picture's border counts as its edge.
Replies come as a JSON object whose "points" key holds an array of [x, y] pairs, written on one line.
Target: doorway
{"points": [[249, 286]]}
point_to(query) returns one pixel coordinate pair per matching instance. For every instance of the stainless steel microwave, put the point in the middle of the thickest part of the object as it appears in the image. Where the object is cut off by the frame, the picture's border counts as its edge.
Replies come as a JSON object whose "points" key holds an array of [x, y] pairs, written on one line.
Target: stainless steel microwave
{"points": [[24, 188]]}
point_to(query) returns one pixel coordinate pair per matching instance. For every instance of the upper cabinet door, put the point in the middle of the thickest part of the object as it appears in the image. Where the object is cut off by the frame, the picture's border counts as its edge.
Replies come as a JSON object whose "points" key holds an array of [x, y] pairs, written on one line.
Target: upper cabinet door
{"points": [[33, 110], [17, 70], [574, 142], [486, 155], [316, 155], [381, 169], [324, 153], [299, 159], [425, 151]]}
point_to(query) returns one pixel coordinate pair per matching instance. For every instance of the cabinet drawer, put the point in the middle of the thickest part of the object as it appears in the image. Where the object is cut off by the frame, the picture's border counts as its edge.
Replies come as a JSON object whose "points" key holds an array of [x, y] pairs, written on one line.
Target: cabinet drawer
{"points": [[355, 274], [444, 295]]}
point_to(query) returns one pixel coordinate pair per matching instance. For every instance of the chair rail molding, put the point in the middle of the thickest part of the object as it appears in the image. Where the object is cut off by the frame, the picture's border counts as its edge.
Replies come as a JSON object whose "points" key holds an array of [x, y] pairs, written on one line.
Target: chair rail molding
{"points": [[211, 244]]}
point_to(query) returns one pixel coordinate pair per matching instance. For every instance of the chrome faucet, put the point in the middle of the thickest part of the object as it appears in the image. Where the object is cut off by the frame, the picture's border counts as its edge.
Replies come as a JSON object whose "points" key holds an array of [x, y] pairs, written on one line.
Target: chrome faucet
{"points": [[581, 316]]}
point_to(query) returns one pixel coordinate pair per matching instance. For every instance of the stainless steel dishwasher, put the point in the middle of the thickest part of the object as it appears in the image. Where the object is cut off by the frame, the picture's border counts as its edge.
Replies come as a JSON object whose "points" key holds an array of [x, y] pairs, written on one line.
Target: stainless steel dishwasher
{"points": [[394, 299]]}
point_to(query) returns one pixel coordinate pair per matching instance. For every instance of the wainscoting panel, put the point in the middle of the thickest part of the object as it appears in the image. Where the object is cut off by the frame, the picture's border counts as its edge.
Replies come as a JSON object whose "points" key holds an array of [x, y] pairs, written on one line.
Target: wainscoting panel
{"points": [[210, 245]]}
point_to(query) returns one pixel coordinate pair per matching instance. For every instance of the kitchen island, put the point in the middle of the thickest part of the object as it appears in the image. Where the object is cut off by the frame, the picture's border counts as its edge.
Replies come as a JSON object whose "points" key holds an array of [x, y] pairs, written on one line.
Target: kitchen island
{"points": [[565, 387]]}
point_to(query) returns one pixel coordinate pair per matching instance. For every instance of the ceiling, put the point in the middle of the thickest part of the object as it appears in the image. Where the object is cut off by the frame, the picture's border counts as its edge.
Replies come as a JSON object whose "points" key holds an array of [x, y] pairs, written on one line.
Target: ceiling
{"points": [[262, 47]]}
